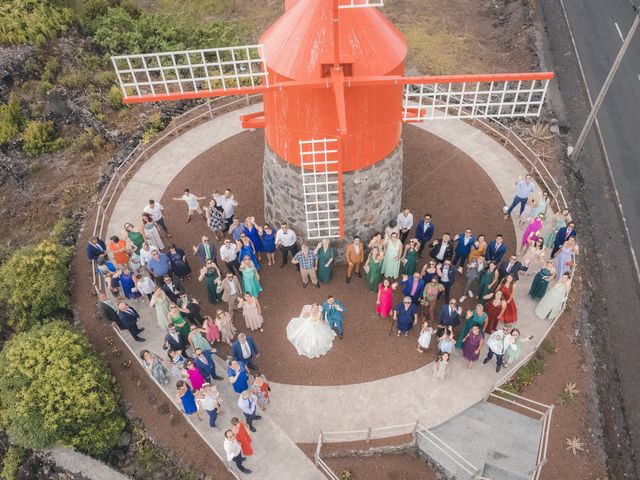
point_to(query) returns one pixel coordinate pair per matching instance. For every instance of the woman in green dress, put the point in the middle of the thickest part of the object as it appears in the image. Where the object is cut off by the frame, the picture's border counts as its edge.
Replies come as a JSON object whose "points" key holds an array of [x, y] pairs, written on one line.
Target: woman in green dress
{"points": [[135, 237], [160, 302], [326, 255], [410, 257], [392, 255], [175, 317], [541, 281], [478, 317], [374, 266], [197, 340], [558, 220], [488, 279], [250, 277], [211, 276]]}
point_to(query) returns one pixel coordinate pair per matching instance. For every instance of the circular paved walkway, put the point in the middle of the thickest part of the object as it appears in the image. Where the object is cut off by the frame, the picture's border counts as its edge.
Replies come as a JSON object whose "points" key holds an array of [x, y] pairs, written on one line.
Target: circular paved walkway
{"points": [[301, 412]]}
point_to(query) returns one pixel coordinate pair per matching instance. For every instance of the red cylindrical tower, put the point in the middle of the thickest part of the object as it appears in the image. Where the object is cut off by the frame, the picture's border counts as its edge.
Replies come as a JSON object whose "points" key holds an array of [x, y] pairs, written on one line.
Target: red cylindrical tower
{"points": [[299, 47]]}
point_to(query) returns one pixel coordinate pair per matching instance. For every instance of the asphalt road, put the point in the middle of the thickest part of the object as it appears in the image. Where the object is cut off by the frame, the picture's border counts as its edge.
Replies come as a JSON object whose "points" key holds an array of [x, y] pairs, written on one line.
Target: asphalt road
{"points": [[610, 304], [598, 29]]}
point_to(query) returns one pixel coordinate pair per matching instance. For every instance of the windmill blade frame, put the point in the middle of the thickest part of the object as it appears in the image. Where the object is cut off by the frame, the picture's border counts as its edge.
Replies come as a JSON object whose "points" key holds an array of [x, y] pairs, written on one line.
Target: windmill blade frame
{"points": [[184, 74]]}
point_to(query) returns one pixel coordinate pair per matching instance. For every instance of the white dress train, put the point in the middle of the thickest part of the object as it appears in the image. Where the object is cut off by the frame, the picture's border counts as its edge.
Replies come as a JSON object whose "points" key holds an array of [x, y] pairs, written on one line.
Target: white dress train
{"points": [[310, 334]]}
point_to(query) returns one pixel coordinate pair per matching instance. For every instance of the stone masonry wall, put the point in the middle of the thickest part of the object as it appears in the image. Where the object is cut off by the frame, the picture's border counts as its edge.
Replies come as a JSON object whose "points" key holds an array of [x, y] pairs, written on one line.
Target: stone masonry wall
{"points": [[372, 197]]}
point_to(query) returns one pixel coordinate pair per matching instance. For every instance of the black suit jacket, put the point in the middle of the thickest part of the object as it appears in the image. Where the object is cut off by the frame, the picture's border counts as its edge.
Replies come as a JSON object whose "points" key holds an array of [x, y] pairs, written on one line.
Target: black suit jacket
{"points": [[108, 313], [436, 249], [447, 318], [515, 269], [93, 252], [128, 318], [170, 293], [170, 343]]}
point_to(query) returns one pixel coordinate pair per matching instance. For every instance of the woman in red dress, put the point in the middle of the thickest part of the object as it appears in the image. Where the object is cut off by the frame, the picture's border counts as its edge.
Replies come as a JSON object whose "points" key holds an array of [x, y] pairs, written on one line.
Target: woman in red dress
{"points": [[495, 310], [508, 289], [384, 303], [242, 435]]}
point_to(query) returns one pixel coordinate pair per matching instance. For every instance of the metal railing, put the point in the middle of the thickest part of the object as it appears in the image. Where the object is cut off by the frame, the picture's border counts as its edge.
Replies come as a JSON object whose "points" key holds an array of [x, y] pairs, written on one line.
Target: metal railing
{"points": [[414, 429], [544, 413]]}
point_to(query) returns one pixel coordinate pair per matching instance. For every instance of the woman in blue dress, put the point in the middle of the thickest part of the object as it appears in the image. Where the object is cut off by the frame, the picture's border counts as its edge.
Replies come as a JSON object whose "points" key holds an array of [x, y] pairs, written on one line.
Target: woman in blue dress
{"points": [[251, 230], [268, 237], [128, 284], [185, 395], [238, 376], [179, 264], [246, 247]]}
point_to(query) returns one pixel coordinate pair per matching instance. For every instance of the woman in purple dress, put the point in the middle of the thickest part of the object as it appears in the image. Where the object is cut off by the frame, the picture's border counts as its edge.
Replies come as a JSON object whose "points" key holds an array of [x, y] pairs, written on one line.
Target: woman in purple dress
{"points": [[473, 342], [179, 265]]}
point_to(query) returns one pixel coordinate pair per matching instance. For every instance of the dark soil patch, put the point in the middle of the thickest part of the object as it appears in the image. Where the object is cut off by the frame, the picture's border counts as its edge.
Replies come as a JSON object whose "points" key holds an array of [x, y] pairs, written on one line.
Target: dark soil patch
{"points": [[438, 178]]}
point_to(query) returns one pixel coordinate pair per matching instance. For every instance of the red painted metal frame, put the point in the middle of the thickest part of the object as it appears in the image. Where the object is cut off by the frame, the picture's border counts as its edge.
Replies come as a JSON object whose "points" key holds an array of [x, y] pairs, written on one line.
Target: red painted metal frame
{"points": [[253, 120]]}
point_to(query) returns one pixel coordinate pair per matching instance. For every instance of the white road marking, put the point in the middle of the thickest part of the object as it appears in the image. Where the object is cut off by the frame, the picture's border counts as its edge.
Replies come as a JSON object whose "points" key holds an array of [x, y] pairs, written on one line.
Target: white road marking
{"points": [[619, 32]]}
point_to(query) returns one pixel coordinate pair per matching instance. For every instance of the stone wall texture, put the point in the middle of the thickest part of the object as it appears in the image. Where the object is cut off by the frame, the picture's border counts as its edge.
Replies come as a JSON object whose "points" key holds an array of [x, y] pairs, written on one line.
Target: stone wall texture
{"points": [[372, 197]]}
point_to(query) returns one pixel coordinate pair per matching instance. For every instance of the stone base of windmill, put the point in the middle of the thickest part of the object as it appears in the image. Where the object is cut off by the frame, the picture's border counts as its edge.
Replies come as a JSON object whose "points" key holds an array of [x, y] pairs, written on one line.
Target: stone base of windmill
{"points": [[371, 197]]}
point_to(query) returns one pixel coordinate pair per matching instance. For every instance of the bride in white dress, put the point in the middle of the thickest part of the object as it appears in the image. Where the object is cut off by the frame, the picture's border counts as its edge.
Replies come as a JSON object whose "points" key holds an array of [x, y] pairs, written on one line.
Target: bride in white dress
{"points": [[310, 333]]}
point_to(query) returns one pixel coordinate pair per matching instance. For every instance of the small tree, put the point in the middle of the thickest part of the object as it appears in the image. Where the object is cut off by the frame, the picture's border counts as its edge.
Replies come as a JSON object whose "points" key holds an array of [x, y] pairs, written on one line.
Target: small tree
{"points": [[40, 137], [11, 119], [34, 283], [54, 388]]}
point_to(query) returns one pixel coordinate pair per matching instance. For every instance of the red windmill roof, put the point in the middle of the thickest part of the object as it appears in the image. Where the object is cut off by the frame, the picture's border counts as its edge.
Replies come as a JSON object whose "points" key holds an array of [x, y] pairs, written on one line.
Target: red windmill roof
{"points": [[301, 41]]}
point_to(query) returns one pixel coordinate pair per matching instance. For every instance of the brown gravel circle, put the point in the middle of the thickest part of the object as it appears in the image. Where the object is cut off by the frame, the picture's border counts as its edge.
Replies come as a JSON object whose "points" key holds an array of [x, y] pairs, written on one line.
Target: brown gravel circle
{"points": [[438, 178]]}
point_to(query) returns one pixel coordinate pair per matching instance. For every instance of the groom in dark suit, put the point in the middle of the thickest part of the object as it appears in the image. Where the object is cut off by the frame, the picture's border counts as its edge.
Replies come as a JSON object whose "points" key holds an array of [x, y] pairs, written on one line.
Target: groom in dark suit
{"points": [[495, 250], [564, 234], [245, 350], [449, 315], [129, 320]]}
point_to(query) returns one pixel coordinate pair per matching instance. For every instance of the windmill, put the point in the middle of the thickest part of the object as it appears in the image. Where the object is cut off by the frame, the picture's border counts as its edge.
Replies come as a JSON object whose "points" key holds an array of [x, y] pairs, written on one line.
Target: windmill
{"points": [[335, 98]]}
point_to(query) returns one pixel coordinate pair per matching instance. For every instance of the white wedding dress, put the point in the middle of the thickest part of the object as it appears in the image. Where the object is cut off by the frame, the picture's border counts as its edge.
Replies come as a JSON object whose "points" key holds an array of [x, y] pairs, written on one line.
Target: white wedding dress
{"points": [[310, 333]]}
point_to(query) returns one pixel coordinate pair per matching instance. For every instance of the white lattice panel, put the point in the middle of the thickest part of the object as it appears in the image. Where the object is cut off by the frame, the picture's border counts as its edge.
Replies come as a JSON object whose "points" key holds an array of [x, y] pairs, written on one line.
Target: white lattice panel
{"points": [[180, 72], [320, 186], [518, 98], [360, 3]]}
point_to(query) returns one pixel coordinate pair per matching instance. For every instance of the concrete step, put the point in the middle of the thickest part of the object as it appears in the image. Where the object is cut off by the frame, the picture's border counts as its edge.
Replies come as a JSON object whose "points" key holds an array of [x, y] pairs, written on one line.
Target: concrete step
{"points": [[436, 455], [496, 473]]}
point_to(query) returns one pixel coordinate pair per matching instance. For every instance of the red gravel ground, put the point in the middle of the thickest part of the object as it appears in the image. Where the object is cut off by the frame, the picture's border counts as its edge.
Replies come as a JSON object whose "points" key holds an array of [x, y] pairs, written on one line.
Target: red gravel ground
{"points": [[433, 182]]}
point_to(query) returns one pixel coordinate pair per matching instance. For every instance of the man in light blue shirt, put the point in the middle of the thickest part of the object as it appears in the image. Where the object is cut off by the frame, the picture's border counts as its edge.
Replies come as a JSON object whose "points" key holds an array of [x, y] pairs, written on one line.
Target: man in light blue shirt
{"points": [[524, 188], [159, 265]]}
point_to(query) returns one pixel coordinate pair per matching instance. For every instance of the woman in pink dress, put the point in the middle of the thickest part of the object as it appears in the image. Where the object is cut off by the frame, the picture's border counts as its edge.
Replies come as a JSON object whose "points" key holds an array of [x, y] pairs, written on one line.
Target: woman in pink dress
{"points": [[384, 303], [532, 232], [212, 334], [193, 374]]}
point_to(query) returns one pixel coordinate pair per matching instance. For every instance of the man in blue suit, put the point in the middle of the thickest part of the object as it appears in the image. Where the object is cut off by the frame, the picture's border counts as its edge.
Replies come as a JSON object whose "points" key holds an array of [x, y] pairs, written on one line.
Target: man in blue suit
{"points": [[413, 287], [424, 232], [205, 364], [95, 248], [245, 350], [564, 234], [449, 315], [463, 247], [495, 250], [332, 312], [129, 321]]}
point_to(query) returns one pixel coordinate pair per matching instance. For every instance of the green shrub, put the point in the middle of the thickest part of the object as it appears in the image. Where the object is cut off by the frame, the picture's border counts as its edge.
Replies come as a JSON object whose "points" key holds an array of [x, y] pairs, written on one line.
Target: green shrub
{"points": [[34, 283], [75, 79], [54, 388], [11, 120], [12, 460], [114, 98], [95, 105], [121, 31], [50, 71], [547, 346], [87, 143], [154, 126], [105, 78], [64, 230], [31, 21], [40, 137]]}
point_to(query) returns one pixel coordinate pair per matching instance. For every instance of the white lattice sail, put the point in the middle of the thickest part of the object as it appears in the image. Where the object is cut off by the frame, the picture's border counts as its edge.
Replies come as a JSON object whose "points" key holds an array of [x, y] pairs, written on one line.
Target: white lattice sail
{"points": [[360, 3], [509, 98], [319, 166], [180, 73]]}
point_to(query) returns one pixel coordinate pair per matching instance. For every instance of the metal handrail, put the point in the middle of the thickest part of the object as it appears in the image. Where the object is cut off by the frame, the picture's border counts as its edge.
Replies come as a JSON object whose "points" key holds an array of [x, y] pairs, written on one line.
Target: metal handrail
{"points": [[454, 456]]}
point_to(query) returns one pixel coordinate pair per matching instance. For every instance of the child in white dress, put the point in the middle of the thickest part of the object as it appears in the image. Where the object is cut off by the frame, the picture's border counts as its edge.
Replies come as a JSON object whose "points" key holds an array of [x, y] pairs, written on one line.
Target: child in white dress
{"points": [[424, 340]]}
